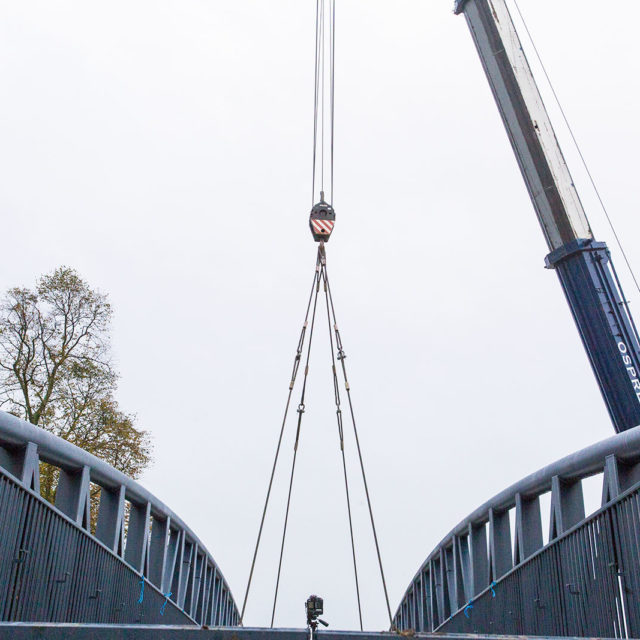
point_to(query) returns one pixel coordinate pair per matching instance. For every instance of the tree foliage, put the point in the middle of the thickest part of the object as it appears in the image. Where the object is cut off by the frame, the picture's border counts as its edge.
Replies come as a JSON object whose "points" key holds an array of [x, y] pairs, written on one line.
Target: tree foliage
{"points": [[56, 371]]}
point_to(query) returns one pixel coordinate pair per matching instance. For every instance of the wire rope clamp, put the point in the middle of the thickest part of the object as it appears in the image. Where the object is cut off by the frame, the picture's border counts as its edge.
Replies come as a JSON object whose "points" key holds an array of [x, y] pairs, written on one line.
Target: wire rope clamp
{"points": [[321, 220]]}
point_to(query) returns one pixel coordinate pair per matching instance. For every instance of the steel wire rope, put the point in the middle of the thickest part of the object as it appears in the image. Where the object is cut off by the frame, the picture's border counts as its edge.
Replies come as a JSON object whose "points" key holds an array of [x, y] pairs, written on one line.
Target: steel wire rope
{"points": [[341, 358], [294, 373], [324, 56], [577, 146], [315, 104], [332, 72], [322, 95], [336, 390], [301, 409]]}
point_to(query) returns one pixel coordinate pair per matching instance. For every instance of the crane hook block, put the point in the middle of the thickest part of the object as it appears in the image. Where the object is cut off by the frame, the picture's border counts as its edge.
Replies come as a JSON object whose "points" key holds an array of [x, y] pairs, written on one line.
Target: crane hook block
{"points": [[321, 220]]}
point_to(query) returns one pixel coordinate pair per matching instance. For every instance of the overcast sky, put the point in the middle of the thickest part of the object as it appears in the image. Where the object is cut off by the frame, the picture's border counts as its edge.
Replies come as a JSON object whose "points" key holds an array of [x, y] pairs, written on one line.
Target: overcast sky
{"points": [[163, 149]]}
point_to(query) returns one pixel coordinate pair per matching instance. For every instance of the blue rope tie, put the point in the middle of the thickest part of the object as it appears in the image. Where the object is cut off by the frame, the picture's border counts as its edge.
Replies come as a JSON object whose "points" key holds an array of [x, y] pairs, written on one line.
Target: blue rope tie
{"points": [[164, 604], [141, 598], [493, 591], [466, 609]]}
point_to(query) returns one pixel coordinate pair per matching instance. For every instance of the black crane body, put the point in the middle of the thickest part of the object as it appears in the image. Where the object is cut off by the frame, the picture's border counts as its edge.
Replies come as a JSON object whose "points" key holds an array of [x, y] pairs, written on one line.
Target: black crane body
{"points": [[584, 266]]}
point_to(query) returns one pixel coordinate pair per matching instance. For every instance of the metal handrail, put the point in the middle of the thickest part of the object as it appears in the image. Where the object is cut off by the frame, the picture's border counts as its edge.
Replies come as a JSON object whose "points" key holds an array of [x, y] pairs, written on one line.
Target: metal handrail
{"points": [[68, 456], [617, 457], [18, 435]]}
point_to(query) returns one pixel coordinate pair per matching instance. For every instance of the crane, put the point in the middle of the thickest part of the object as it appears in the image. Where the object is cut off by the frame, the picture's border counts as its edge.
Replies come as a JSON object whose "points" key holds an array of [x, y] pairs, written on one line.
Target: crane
{"points": [[584, 266]]}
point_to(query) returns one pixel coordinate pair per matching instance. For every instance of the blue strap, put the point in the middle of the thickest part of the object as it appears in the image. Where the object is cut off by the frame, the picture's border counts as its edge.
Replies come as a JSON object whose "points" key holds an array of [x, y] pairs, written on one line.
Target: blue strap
{"points": [[141, 598], [164, 604], [493, 591], [466, 609]]}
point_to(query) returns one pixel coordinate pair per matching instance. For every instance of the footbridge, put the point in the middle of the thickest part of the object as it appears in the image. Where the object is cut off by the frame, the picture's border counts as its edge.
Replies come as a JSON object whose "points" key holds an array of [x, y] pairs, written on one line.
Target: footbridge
{"points": [[126, 566], [493, 574], [143, 632], [142, 573], [141, 565]]}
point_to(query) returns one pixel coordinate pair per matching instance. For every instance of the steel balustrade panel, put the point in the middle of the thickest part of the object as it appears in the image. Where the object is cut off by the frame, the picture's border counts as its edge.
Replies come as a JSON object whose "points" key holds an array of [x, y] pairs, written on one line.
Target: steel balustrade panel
{"points": [[427, 617], [35, 543], [52, 571], [583, 589], [626, 519], [571, 587], [584, 581], [66, 573], [65, 552], [10, 514], [549, 603]]}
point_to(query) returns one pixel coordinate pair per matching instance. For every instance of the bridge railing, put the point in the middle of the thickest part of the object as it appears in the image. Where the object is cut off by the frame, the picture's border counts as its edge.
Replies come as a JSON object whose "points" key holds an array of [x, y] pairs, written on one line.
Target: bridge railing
{"points": [[584, 582], [141, 564]]}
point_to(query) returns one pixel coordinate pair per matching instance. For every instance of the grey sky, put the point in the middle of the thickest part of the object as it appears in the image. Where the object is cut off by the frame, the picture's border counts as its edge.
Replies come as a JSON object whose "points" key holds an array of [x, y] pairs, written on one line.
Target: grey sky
{"points": [[163, 149]]}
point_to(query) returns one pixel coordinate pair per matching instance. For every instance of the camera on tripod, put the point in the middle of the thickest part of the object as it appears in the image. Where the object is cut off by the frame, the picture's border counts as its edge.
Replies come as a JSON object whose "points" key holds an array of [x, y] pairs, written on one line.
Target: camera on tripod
{"points": [[314, 608]]}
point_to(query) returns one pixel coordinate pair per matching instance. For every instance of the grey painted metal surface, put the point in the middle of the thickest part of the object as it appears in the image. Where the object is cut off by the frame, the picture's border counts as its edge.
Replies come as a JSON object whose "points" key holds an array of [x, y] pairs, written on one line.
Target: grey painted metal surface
{"points": [[525, 117], [584, 267], [584, 581], [53, 568], [121, 632]]}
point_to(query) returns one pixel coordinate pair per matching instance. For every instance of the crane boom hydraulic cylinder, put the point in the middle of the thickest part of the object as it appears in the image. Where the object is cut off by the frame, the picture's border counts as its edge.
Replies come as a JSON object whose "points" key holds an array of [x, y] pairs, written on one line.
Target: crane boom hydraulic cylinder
{"points": [[583, 265]]}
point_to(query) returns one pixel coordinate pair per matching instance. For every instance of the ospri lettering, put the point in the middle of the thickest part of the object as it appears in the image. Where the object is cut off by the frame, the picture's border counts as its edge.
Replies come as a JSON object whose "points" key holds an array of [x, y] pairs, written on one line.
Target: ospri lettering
{"points": [[631, 370]]}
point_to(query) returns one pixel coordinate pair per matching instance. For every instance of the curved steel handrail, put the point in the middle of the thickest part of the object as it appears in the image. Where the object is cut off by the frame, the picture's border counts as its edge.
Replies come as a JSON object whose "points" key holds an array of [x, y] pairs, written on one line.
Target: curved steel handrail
{"points": [[618, 457], [66, 455], [18, 434]]}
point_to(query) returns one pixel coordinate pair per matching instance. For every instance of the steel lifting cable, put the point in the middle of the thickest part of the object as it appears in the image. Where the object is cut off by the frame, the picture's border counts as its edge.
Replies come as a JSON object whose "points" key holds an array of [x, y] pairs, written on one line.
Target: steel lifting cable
{"points": [[577, 146], [341, 357], [324, 56], [321, 275], [294, 373], [322, 79], [332, 72], [336, 390], [315, 104], [301, 409]]}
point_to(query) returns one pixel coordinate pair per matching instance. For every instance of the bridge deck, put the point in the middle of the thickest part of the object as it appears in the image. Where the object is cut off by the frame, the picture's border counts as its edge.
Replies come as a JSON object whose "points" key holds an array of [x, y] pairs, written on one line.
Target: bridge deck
{"points": [[38, 631]]}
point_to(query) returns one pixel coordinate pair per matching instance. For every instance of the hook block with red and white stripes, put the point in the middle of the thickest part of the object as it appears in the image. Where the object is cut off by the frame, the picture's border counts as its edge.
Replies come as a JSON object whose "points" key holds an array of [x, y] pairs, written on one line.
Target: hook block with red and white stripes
{"points": [[321, 220]]}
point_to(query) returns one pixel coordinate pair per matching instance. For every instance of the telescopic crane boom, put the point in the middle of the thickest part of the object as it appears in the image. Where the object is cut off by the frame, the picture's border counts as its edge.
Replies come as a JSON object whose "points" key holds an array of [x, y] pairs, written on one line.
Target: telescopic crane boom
{"points": [[583, 265]]}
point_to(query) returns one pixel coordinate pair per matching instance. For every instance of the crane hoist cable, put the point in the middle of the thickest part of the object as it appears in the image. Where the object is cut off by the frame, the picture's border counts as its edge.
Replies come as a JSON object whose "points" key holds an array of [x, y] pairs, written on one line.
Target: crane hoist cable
{"points": [[324, 98], [321, 223]]}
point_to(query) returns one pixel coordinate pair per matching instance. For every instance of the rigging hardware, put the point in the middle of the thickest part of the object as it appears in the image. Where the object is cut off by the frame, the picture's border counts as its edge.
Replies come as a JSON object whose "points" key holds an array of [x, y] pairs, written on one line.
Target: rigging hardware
{"points": [[320, 278], [321, 220], [324, 99]]}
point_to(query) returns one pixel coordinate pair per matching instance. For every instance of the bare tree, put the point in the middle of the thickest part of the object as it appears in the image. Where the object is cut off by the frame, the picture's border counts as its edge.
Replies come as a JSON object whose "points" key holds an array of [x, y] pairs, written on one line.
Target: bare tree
{"points": [[56, 371]]}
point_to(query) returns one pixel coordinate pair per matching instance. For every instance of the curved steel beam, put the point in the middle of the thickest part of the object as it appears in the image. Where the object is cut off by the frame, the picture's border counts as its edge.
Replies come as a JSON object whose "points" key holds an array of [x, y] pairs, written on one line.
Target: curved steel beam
{"points": [[158, 545], [473, 555]]}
